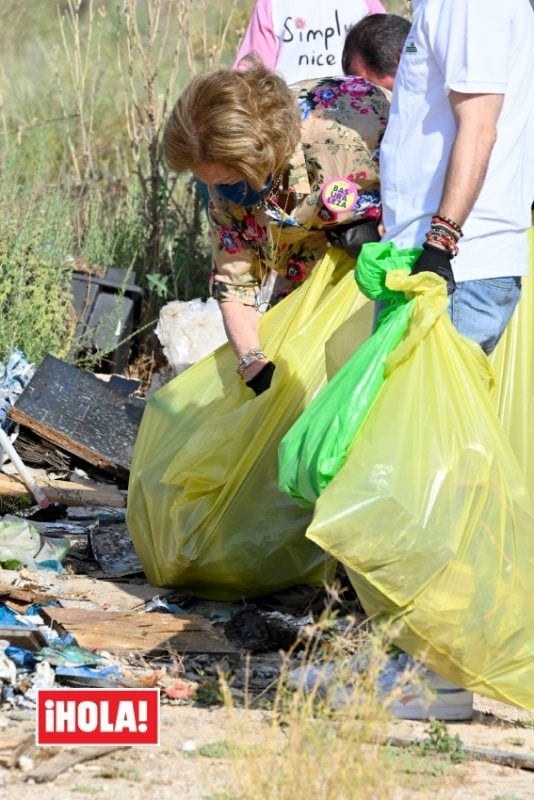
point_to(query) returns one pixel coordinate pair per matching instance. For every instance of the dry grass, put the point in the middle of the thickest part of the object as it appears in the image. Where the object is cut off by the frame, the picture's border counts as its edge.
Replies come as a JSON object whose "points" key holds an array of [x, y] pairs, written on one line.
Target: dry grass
{"points": [[325, 743]]}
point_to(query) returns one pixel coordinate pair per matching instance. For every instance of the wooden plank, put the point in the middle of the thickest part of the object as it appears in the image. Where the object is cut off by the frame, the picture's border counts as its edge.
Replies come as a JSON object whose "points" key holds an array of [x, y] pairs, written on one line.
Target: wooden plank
{"points": [[50, 769], [152, 633], [70, 493], [82, 415], [24, 595], [13, 745], [29, 638], [503, 757]]}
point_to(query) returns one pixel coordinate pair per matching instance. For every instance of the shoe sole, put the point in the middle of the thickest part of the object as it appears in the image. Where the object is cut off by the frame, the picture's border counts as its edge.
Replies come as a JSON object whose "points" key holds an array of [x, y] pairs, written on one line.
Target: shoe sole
{"points": [[461, 708]]}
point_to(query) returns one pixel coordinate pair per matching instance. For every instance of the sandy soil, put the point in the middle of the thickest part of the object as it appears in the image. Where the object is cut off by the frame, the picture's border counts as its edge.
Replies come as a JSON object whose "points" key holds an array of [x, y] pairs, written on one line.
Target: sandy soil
{"points": [[137, 772]]}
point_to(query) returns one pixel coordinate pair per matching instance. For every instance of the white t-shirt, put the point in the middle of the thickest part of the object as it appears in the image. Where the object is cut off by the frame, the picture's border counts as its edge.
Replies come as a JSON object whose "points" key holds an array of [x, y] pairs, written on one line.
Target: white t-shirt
{"points": [[471, 46], [303, 39]]}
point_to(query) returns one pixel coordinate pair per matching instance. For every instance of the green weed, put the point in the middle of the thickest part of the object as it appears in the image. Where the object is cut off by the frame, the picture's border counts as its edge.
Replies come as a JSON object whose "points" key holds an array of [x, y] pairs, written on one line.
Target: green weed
{"points": [[440, 742], [126, 773]]}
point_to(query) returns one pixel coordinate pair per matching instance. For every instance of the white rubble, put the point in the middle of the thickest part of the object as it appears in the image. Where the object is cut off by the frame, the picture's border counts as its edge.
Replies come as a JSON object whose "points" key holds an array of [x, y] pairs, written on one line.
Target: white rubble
{"points": [[189, 330]]}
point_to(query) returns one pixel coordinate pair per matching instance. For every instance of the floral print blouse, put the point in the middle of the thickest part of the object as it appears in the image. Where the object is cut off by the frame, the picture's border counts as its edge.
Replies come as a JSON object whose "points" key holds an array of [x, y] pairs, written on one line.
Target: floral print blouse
{"points": [[261, 253]]}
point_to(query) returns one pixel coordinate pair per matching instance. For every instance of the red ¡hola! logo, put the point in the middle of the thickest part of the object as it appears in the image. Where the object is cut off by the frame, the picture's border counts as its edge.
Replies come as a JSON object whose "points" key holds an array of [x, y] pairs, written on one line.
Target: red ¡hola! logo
{"points": [[97, 716]]}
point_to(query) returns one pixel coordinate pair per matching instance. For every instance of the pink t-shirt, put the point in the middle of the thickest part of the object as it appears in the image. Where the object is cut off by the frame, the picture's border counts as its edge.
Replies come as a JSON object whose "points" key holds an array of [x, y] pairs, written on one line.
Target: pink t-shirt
{"points": [[302, 39]]}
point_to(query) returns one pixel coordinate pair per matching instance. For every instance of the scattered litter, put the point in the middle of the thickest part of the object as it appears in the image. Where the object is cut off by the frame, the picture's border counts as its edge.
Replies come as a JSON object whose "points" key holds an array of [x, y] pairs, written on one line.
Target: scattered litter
{"points": [[22, 637], [114, 551], [8, 670], [188, 746], [103, 677], [262, 632], [249, 630], [162, 604], [91, 513], [25, 763], [43, 678], [21, 544], [81, 414], [212, 610], [297, 599], [14, 377], [71, 492], [23, 659], [69, 655], [24, 473], [181, 690]]}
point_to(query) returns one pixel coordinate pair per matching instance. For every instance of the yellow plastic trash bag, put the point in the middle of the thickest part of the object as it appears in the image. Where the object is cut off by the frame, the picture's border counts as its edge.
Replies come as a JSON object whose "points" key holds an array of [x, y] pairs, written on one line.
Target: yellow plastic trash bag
{"points": [[204, 509], [430, 513], [513, 363]]}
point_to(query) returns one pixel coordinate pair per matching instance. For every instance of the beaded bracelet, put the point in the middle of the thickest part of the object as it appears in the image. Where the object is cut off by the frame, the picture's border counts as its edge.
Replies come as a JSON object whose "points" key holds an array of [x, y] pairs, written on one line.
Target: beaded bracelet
{"points": [[439, 218], [249, 358]]}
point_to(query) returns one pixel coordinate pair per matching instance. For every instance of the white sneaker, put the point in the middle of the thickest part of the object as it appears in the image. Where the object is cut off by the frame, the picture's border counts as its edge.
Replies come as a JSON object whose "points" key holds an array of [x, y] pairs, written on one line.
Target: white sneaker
{"points": [[410, 690], [415, 692]]}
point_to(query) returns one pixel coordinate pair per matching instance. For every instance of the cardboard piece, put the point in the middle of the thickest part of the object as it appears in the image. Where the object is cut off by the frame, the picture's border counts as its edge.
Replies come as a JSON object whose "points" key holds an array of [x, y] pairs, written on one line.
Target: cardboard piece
{"points": [[150, 634]]}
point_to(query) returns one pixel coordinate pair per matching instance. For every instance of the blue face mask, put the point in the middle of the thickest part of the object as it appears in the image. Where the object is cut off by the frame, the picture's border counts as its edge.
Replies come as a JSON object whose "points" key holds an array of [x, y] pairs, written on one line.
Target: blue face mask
{"points": [[243, 193]]}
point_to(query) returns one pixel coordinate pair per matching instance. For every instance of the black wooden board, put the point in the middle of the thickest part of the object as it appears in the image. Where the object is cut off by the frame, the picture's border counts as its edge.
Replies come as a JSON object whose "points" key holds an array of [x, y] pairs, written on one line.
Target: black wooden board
{"points": [[81, 414]]}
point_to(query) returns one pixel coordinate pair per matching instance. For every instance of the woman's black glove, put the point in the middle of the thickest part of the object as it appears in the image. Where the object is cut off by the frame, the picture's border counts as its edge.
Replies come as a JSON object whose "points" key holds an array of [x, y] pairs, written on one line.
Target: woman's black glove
{"points": [[434, 259], [262, 380], [352, 237]]}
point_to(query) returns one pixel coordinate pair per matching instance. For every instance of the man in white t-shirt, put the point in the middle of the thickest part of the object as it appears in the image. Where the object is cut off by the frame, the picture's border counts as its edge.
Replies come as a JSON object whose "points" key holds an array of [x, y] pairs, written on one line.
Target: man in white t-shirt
{"points": [[302, 39], [457, 159], [456, 177]]}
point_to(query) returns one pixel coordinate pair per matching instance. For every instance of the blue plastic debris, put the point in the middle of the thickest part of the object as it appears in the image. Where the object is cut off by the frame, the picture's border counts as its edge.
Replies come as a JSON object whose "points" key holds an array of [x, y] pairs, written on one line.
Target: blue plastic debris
{"points": [[14, 377], [10, 618], [23, 659], [88, 676], [66, 654]]}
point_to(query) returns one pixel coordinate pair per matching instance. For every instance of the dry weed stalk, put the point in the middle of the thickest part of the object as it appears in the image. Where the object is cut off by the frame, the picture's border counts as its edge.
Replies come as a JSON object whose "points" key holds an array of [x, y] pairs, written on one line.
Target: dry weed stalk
{"points": [[82, 51], [145, 109], [327, 742]]}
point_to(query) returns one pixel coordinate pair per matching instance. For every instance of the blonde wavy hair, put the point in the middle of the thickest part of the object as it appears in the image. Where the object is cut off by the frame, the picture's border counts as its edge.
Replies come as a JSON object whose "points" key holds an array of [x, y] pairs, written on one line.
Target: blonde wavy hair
{"points": [[248, 120]]}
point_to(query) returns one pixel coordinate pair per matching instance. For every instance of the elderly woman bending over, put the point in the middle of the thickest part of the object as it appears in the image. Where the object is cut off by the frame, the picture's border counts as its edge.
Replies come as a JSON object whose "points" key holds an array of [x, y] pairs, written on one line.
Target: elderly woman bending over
{"points": [[288, 171]]}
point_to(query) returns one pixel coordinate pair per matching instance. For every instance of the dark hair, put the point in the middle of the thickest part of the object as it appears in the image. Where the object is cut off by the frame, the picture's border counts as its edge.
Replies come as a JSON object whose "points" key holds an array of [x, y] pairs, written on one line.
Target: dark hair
{"points": [[378, 39]]}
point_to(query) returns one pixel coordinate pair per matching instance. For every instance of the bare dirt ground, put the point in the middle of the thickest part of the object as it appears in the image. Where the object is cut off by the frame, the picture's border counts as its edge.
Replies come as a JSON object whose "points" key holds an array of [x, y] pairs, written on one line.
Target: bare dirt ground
{"points": [[205, 773], [193, 761]]}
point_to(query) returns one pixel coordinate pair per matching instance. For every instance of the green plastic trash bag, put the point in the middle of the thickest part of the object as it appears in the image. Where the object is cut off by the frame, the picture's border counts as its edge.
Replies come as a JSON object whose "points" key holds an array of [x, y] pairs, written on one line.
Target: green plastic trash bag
{"points": [[204, 509], [314, 449], [430, 513]]}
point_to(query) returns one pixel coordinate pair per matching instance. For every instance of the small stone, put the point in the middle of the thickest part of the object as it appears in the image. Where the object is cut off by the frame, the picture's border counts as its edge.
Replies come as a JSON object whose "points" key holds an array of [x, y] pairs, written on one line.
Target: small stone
{"points": [[25, 763], [189, 746]]}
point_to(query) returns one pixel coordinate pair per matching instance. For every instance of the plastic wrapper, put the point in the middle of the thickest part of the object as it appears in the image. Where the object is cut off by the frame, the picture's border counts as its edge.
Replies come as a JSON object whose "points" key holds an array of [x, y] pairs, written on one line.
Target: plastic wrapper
{"points": [[430, 513], [204, 510]]}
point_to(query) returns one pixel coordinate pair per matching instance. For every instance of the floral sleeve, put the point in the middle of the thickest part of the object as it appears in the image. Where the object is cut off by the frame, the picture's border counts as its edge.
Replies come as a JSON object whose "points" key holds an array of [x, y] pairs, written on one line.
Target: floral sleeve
{"points": [[235, 264]]}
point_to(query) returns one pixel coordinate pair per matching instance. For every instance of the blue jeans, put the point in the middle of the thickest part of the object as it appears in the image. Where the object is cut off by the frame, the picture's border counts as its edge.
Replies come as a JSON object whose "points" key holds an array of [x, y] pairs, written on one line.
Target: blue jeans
{"points": [[481, 309]]}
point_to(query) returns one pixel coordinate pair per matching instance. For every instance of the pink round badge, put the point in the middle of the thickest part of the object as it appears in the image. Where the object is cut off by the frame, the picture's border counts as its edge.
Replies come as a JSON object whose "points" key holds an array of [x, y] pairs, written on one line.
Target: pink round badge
{"points": [[339, 195]]}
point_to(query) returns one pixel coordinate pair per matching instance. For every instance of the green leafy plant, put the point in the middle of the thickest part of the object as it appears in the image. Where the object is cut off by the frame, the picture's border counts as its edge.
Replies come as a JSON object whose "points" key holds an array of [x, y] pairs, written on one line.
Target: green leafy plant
{"points": [[440, 742]]}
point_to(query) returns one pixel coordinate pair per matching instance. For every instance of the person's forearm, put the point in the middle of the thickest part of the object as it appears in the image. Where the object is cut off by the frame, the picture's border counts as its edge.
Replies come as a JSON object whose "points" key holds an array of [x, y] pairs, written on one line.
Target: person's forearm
{"points": [[241, 324], [476, 117]]}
